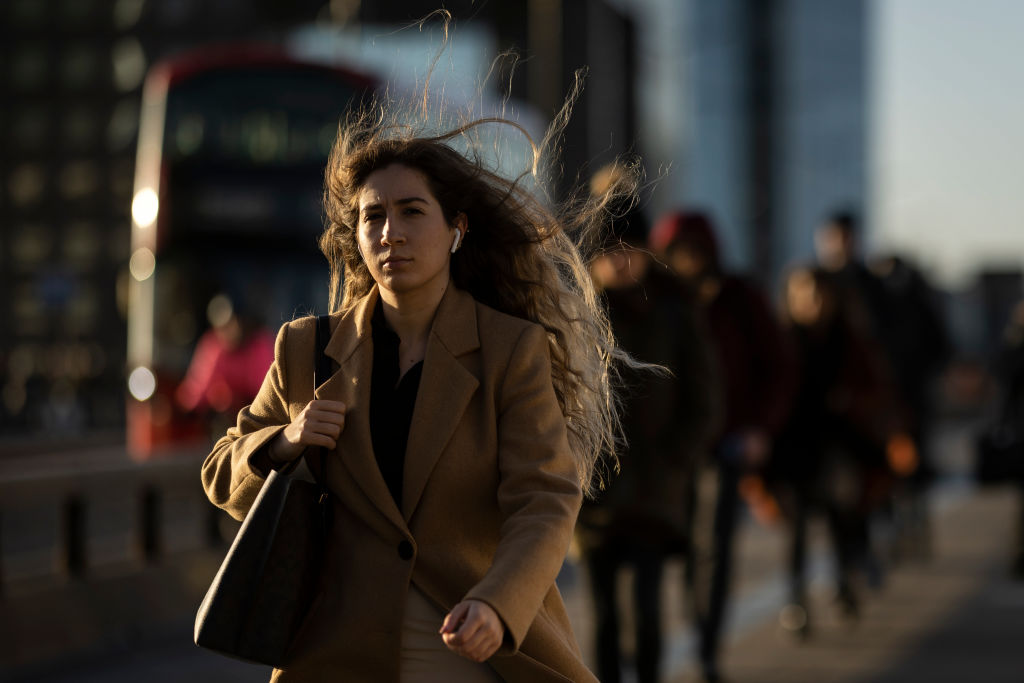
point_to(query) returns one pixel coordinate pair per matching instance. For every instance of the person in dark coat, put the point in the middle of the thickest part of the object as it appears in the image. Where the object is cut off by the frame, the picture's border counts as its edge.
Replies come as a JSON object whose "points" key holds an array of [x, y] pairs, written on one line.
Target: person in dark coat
{"points": [[756, 367], [838, 251], [638, 519], [1010, 370], [919, 347], [890, 300], [831, 454]]}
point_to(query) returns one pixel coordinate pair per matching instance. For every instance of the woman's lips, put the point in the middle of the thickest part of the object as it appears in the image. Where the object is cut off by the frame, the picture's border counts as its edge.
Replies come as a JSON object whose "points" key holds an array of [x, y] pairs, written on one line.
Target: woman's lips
{"points": [[396, 262]]}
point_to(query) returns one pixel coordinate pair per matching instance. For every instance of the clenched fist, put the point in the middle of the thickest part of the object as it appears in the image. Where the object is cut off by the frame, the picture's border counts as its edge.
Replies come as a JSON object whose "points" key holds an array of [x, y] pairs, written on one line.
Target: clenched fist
{"points": [[473, 630], [319, 424]]}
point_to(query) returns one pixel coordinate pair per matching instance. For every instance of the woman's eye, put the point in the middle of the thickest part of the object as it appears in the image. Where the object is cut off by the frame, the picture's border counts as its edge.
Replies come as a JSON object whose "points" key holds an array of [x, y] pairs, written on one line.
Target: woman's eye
{"points": [[411, 210], [371, 217]]}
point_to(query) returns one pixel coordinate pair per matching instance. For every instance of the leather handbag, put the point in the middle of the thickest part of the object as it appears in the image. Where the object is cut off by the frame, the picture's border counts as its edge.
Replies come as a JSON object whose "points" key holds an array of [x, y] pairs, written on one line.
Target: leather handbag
{"points": [[262, 592]]}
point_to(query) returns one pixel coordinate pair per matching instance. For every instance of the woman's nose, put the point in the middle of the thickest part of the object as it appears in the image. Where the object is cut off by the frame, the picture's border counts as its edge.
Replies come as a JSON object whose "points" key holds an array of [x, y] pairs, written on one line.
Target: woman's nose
{"points": [[391, 234]]}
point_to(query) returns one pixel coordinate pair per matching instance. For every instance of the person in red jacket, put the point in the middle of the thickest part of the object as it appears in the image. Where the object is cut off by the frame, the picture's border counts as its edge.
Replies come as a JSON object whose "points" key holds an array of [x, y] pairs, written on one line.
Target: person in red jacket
{"points": [[756, 368], [227, 366]]}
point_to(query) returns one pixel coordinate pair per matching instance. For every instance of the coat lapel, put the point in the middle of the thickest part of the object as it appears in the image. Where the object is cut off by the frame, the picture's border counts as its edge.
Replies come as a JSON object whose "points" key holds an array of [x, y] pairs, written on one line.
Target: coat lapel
{"points": [[351, 345], [446, 387]]}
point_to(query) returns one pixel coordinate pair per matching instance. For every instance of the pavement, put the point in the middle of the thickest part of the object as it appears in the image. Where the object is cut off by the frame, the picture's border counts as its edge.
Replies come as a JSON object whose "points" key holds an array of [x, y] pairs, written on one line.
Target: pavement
{"points": [[957, 617]]}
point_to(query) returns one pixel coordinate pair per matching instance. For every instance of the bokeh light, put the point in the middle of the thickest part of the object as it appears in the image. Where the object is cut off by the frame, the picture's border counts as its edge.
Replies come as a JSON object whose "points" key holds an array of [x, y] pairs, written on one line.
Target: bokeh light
{"points": [[145, 207], [141, 383], [143, 264]]}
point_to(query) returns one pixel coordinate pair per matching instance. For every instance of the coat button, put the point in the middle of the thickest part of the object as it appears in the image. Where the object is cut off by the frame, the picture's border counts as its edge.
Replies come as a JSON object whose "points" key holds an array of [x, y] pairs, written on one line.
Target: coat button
{"points": [[405, 550]]}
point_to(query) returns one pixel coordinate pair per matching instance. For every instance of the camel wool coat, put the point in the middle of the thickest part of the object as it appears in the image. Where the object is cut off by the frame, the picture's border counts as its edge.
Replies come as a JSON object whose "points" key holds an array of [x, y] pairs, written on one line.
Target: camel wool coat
{"points": [[489, 502]]}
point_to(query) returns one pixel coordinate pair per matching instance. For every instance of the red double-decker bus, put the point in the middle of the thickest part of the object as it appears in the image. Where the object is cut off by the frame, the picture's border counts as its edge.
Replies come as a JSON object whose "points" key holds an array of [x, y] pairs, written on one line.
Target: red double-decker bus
{"points": [[226, 213]]}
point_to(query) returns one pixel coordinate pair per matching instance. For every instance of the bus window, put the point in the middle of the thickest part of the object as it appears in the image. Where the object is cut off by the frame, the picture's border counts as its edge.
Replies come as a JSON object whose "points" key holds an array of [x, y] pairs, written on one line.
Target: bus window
{"points": [[227, 207]]}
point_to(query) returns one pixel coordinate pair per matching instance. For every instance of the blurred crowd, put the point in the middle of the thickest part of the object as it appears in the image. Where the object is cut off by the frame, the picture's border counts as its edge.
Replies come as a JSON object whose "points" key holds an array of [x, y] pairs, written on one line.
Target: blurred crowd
{"points": [[820, 405]]}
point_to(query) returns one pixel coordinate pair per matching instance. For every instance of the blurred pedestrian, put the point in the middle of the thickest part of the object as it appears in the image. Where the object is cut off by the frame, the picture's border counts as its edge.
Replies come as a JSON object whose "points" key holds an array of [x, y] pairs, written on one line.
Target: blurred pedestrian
{"points": [[831, 454], [1010, 421], [838, 249], [918, 345], [470, 408], [227, 366], [892, 303], [642, 517], [756, 369]]}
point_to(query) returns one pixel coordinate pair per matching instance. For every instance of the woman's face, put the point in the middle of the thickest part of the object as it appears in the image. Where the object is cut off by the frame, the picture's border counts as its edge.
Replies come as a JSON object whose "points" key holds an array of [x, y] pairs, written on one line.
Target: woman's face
{"points": [[803, 299], [806, 302], [689, 263], [402, 233]]}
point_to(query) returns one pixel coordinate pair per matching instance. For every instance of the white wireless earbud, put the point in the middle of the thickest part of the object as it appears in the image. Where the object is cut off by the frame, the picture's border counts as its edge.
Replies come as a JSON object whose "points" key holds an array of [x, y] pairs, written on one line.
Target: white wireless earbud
{"points": [[455, 244]]}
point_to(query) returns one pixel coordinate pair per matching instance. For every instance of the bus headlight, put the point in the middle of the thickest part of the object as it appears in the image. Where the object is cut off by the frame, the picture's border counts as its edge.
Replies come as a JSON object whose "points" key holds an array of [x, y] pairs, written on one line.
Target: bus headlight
{"points": [[145, 206]]}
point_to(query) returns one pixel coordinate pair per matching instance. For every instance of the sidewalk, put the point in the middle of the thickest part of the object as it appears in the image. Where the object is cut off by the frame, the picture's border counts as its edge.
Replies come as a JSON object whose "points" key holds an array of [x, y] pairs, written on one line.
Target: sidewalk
{"points": [[957, 618]]}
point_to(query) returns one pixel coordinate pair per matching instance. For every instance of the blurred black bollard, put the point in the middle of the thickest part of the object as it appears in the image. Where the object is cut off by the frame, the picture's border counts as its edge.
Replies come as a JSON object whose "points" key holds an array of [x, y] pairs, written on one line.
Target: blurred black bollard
{"points": [[151, 540], [74, 536], [216, 533]]}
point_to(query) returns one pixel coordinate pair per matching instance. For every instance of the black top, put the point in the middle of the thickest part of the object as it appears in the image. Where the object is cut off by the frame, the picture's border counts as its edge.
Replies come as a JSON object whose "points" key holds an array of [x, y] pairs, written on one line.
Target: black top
{"points": [[391, 404]]}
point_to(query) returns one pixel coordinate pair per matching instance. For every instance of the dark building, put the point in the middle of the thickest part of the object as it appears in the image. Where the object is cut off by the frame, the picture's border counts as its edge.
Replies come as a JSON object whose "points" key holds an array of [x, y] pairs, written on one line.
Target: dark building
{"points": [[775, 110], [70, 80]]}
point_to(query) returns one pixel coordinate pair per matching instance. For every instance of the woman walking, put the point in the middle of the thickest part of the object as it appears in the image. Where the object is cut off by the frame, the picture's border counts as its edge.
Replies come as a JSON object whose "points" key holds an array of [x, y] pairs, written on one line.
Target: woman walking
{"points": [[468, 412]]}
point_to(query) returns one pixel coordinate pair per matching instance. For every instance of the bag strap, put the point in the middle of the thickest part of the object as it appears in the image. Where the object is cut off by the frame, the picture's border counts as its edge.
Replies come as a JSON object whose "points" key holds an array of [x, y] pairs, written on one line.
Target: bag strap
{"points": [[322, 370]]}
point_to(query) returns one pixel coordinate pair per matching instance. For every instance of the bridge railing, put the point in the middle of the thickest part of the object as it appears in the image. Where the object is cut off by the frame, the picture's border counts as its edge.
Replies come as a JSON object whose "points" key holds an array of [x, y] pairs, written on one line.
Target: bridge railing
{"points": [[97, 513]]}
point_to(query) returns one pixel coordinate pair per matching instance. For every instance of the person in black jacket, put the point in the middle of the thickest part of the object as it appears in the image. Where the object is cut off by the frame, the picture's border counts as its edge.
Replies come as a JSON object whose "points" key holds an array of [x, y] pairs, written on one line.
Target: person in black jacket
{"points": [[1010, 369], [918, 346], [831, 454], [889, 300], [638, 519]]}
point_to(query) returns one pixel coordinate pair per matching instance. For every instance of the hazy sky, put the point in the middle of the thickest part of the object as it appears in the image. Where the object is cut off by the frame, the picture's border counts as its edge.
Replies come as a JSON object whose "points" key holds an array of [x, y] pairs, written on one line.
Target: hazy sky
{"points": [[948, 142]]}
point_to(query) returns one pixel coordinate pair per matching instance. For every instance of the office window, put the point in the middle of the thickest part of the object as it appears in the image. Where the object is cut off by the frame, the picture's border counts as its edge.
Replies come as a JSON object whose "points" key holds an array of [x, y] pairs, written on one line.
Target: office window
{"points": [[28, 13], [30, 68], [123, 125], [80, 127], [78, 179], [25, 184], [80, 245], [29, 128], [77, 13], [79, 67], [31, 245]]}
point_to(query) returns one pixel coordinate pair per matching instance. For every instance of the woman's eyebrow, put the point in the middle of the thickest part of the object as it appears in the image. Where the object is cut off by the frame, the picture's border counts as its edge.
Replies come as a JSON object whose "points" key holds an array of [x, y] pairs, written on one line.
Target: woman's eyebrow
{"points": [[379, 205]]}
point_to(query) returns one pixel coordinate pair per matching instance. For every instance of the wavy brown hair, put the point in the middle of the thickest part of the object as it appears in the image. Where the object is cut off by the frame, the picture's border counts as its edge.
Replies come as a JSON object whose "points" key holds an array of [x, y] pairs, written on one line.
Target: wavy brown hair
{"points": [[523, 255]]}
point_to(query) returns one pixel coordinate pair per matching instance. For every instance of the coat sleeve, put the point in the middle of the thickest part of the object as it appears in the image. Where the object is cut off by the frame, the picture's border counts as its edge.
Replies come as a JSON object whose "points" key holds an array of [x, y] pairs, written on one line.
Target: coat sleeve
{"points": [[234, 471], [539, 493]]}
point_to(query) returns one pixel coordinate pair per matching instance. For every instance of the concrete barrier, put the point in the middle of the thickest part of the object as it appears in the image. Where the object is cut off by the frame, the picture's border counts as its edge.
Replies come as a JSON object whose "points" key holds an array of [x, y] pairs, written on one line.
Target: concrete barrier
{"points": [[96, 549]]}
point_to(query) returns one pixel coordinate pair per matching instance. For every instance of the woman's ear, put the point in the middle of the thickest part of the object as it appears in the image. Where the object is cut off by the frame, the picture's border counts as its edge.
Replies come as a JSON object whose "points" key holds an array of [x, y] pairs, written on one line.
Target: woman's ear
{"points": [[459, 224]]}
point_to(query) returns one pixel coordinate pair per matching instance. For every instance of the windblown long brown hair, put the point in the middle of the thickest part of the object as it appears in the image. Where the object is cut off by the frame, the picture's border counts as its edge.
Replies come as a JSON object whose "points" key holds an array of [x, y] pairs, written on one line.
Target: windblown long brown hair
{"points": [[523, 255]]}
